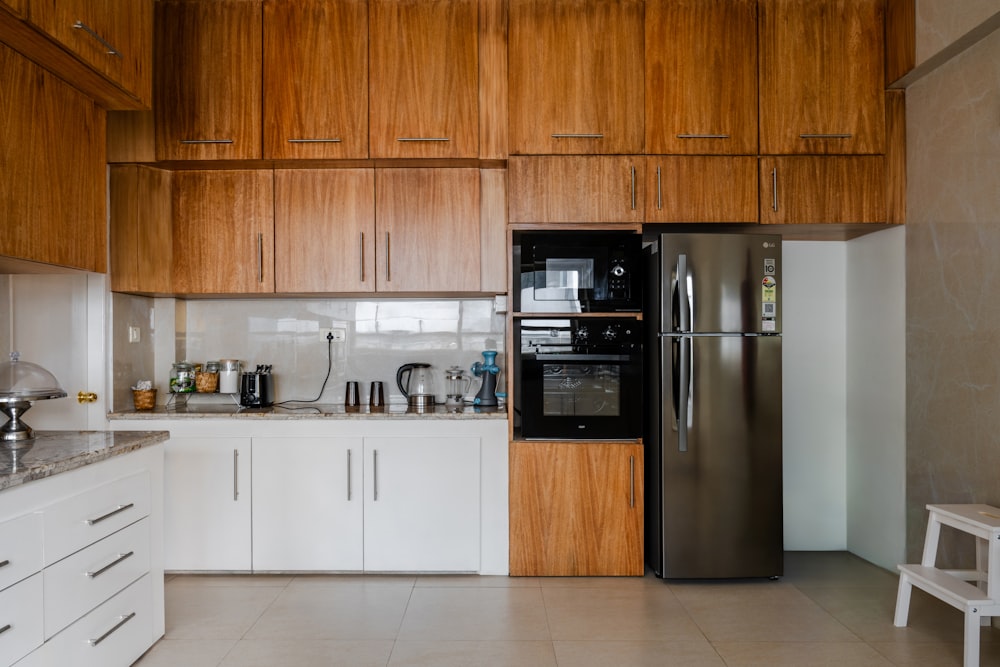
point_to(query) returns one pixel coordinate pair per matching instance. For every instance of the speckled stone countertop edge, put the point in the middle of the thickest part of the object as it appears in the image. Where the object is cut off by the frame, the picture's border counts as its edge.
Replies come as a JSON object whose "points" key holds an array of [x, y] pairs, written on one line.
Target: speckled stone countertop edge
{"points": [[54, 452], [324, 412]]}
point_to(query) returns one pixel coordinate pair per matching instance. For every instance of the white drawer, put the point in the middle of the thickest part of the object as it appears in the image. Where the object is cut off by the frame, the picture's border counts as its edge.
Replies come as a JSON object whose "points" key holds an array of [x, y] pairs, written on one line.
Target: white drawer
{"points": [[20, 619], [77, 584], [20, 549], [113, 635], [75, 522]]}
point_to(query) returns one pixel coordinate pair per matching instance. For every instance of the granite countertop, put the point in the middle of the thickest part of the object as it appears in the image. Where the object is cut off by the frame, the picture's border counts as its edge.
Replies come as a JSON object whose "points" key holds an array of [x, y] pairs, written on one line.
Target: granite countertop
{"points": [[60, 451], [202, 410]]}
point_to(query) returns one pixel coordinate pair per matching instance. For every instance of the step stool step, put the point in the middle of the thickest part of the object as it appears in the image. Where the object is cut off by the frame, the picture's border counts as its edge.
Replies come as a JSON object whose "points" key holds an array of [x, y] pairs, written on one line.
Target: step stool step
{"points": [[959, 594]]}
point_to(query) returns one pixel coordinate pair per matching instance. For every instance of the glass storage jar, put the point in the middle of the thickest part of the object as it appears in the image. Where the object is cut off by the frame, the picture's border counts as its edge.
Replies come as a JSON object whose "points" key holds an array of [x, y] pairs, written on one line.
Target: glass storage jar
{"points": [[182, 378]]}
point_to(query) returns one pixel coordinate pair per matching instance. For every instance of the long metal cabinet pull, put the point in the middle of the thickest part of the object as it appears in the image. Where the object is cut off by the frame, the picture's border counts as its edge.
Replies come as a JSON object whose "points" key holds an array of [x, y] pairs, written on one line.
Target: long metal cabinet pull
{"points": [[631, 481], [774, 189], [423, 138], [112, 51], [206, 141], [4, 563], [117, 510], [577, 136], [348, 475], [314, 141], [362, 256], [122, 620], [374, 474], [826, 136], [659, 194], [236, 475], [120, 558], [633, 186], [702, 136], [5, 628], [388, 260], [260, 257]]}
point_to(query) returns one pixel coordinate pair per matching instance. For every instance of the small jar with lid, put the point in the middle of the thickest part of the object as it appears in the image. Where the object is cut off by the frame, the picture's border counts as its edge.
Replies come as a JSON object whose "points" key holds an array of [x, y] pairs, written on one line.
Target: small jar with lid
{"points": [[182, 378]]}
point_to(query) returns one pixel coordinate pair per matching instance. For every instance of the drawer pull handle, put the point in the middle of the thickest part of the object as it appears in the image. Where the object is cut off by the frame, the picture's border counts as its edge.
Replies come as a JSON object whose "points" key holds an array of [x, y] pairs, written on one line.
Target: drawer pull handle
{"points": [[577, 136], [122, 620], [110, 565], [702, 136], [825, 136], [314, 141], [423, 139], [117, 510], [206, 141], [112, 51], [4, 563], [5, 628]]}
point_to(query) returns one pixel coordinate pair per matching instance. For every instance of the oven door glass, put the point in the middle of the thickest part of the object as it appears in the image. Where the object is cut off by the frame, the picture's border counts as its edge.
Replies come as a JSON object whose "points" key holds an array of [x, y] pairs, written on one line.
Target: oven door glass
{"points": [[576, 389]]}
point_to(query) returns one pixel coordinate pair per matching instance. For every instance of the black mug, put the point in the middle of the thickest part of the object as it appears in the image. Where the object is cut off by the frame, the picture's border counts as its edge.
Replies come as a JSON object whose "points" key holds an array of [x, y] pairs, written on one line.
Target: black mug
{"points": [[376, 397], [352, 397]]}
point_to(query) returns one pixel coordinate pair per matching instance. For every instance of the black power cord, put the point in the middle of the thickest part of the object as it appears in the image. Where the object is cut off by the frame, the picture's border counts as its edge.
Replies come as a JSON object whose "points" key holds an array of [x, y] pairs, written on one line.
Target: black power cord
{"points": [[329, 368]]}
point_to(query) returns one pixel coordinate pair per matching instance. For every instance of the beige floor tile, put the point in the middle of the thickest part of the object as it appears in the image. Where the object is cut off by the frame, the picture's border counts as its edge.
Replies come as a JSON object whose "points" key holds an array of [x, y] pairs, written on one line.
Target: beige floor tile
{"points": [[187, 652], [309, 653], [214, 612], [245, 580], [617, 583], [473, 654], [800, 654], [343, 611], [922, 654], [617, 614], [371, 580], [637, 654], [832, 568], [475, 614], [475, 581]]}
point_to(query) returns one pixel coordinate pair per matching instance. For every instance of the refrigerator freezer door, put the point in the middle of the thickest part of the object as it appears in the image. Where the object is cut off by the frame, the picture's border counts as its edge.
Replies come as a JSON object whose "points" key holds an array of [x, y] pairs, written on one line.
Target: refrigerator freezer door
{"points": [[720, 493]]}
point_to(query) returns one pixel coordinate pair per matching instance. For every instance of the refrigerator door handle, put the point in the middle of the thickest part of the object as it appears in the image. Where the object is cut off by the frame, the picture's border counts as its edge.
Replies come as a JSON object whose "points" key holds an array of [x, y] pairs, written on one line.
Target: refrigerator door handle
{"points": [[684, 393], [682, 293]]}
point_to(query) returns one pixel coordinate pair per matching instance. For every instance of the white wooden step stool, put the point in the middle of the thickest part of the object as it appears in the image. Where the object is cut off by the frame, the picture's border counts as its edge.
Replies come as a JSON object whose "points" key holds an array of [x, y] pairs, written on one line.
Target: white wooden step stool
{"points": [[976, 601]]}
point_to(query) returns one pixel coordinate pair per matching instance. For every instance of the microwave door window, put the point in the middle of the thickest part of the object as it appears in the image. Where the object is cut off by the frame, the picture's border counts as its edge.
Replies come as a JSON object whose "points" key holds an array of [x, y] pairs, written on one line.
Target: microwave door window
{"points": [[577, 390], [564, 279]]}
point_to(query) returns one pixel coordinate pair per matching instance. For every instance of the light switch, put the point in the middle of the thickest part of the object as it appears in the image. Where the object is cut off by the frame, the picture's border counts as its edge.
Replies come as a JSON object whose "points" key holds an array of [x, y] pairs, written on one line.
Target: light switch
{"points": [[133, 334]]}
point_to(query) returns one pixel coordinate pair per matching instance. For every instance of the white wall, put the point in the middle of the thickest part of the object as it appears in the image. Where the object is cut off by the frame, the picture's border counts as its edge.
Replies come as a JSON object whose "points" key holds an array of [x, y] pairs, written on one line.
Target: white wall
{"points": [[814, 388], [876, 397]]}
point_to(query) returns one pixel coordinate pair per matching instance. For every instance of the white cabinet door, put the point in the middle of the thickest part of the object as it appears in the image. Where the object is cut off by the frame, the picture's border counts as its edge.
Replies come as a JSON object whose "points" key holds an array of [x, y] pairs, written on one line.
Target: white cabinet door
{"points": [[207, 504], [422, 504], [307, 504]]}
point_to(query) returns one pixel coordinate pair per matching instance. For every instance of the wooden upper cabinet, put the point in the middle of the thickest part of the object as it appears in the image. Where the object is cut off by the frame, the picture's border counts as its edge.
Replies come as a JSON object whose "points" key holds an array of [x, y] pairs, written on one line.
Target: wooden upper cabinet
{"points": [[19, 7], [822, 76], [427, 222], [114, 37], [315, 79], [822, 189], [223, 231], [207, 61], [701, 77], [701, 188], [423, 78], [575, 189], [576, 76], [324, 230], [141, 234], [52, 179]]}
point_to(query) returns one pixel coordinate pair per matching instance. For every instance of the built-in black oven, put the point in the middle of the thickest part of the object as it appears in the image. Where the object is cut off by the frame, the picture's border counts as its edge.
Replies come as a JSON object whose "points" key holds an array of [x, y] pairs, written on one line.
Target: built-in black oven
{"points": [[578, 378], [577, 272]]}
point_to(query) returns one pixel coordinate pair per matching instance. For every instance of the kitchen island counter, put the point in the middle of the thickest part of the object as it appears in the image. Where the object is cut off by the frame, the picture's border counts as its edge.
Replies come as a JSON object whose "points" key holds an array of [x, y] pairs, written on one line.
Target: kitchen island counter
{"points": [[307, 412], [61, 451]]}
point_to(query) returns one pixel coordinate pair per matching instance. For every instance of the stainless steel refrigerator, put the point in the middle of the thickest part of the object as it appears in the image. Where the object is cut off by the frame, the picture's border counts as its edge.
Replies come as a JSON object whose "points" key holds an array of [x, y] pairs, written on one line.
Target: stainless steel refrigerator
{"points": [[713, 412]]}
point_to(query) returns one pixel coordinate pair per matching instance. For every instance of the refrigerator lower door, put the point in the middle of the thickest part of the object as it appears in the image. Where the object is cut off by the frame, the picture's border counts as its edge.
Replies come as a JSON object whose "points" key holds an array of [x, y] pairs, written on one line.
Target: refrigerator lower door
{"points": [[720, 457]]}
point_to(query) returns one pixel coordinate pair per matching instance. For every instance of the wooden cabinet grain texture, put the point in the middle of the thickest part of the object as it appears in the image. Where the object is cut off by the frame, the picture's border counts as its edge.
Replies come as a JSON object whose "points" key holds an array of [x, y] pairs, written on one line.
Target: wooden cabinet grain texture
{"points": [[141, 235], [823, 189], [315, 79], [701, 77], [114, 37], [576, 68], [423, 78], [699, 188], [822, 77], [576, 509], [223, 232], [207, 61], [52, 169], [19, 7], [575, 189], [324, 230]]}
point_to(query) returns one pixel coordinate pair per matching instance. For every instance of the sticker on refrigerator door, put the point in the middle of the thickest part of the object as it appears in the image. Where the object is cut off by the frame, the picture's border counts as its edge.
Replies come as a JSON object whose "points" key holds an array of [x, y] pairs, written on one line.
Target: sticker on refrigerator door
{"points": [[770, 266], [769, 310], [769, 290]]}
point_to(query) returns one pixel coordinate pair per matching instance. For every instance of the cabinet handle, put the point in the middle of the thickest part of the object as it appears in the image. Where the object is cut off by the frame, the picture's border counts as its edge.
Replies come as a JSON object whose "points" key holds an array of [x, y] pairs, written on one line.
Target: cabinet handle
{"points": [[361, 256], [374, 474], [348, 475], [825, 136], [260, 257], [423, 138], [633, 187], [5, 628], [119, 559], [577, 136], [631, 481], [702, 136], [112, 51], [236, 475], [659, 194], [314, 141], [206, 141], [774, 189], [4, 563], [91, 522], [122, 620], [388, 259]]}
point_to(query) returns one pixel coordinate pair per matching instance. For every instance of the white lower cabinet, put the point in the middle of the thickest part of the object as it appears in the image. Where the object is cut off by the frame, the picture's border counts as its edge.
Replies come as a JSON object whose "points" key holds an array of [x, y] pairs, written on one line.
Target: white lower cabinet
{"points": [[20, 619], [207, 504]]}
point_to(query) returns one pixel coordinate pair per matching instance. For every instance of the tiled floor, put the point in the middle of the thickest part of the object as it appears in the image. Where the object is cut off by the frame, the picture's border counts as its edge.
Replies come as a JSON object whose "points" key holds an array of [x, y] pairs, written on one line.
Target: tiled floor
{"points": [[830, 609]]}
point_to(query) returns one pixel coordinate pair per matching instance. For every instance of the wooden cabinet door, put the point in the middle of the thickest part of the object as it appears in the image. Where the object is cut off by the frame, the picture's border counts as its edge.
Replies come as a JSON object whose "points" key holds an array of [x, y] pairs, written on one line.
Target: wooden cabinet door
{"points": [[576, 509], [424, 78], [427, 222], [701, 77], [19, 7], [223, 232], [822, 76], [52, 169], [701, 188], [114, 37], [576, 76], [324, 230], [208, 79], [316, 522], [575, 189], [822, 189], [315, 79], [141, 236]]}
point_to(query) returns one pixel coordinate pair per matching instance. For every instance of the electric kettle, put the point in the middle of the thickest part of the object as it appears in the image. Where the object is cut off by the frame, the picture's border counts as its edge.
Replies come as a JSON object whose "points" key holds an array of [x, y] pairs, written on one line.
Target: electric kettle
{"points": [[417, 384]]}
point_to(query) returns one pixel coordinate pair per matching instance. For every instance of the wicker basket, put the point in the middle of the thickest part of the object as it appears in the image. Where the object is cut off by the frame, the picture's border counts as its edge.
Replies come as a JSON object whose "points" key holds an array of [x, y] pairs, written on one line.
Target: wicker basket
{"points": [[144, 399], [205, 382]]}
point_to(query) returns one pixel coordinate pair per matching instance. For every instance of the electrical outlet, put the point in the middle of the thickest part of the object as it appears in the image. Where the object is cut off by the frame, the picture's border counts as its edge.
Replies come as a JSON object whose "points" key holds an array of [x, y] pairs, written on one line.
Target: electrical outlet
{"points": [[339, 335], [133, 334]]}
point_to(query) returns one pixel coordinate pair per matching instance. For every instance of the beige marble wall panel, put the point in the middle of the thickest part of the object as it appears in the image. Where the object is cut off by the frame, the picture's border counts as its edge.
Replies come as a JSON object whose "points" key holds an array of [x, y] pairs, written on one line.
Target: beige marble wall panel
{"points": [[941, 22]]}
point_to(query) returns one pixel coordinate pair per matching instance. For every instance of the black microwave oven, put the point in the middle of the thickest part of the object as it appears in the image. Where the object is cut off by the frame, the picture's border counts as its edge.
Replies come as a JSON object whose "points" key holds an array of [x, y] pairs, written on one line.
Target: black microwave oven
{"points": [[577, 272]]}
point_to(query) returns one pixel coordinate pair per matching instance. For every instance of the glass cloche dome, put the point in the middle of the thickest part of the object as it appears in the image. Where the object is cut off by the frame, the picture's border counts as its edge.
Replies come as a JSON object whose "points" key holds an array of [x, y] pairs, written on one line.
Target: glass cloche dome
{"points": [[22, 382]]}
